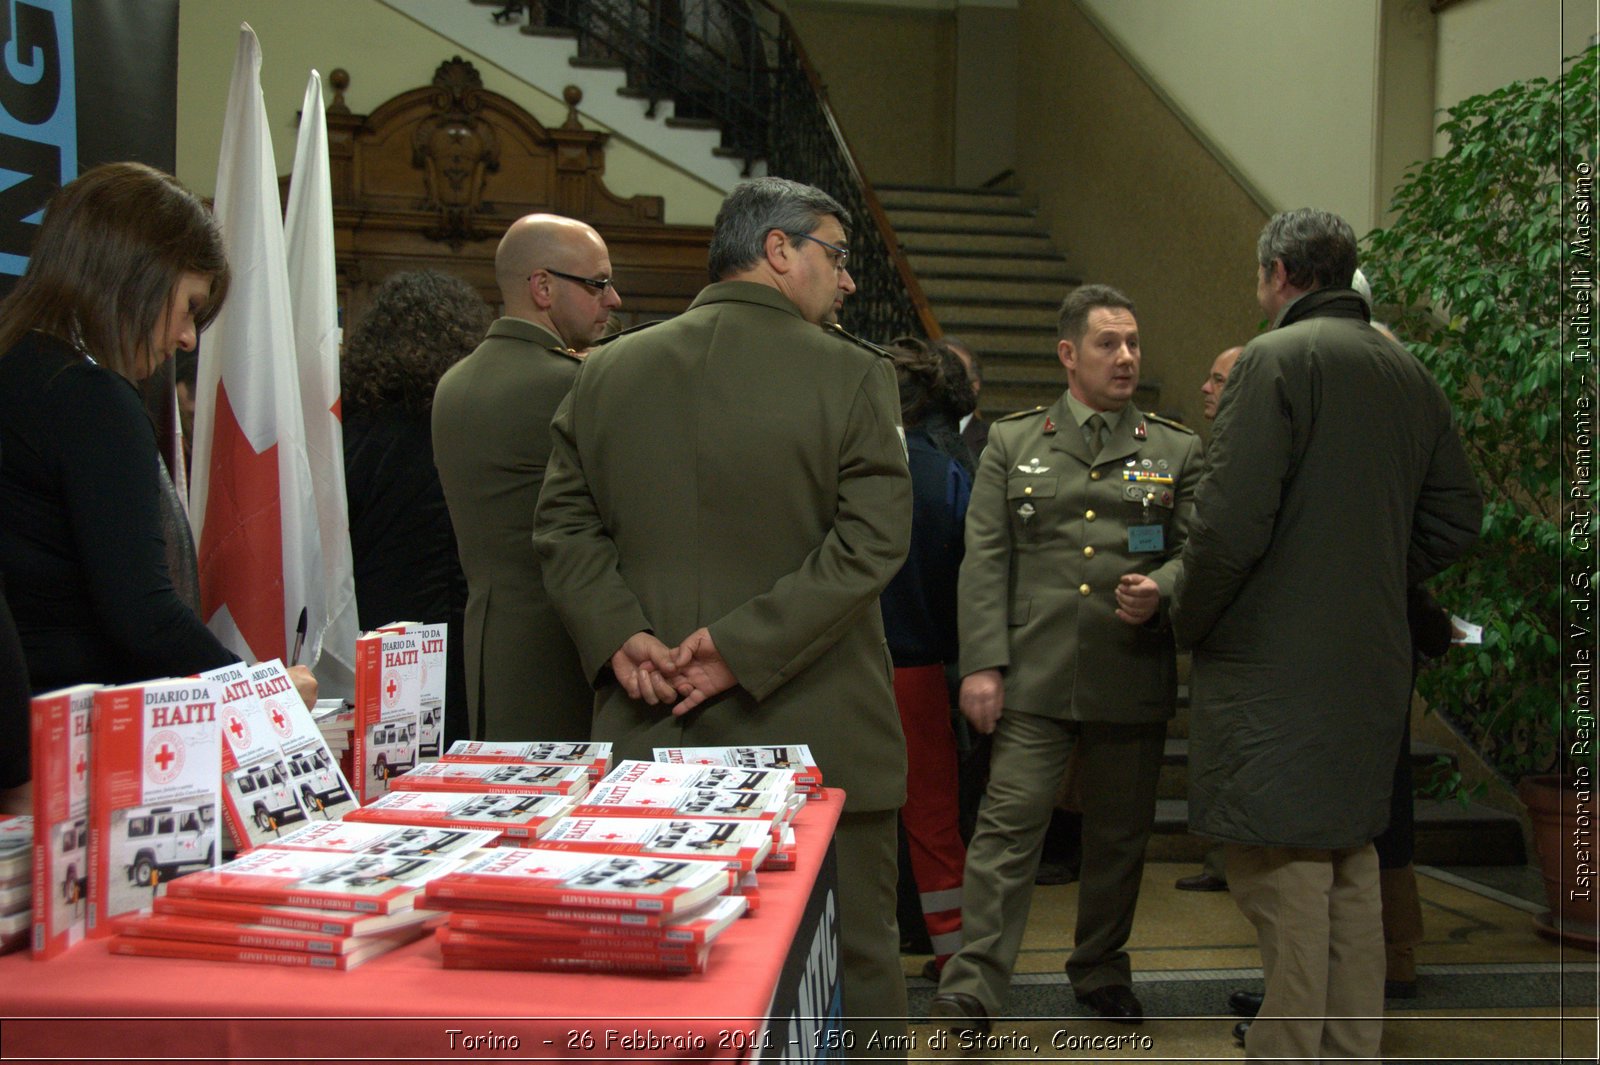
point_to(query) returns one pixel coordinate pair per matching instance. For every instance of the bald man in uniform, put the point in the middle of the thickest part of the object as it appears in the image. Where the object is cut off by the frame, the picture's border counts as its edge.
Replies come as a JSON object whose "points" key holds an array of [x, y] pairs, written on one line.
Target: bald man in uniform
{"points": [[491, 439]]}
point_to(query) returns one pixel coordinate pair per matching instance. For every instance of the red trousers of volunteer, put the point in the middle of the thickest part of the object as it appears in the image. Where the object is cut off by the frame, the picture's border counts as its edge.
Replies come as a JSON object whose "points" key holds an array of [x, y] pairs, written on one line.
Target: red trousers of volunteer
{"points": [[931, 813]]}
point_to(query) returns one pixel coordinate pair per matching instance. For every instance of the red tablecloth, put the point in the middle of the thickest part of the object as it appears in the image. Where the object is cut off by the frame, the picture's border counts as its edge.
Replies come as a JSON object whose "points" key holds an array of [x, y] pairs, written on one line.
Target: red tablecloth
{"points": [[88, 1003]]}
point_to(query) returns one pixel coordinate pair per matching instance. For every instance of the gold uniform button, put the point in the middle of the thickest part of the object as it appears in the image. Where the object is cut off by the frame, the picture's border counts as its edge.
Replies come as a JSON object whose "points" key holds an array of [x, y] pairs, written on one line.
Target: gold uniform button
{"points": [[1094, 475], [1088, 515], [1088, 552], [1083, 589], [1028, 490]]}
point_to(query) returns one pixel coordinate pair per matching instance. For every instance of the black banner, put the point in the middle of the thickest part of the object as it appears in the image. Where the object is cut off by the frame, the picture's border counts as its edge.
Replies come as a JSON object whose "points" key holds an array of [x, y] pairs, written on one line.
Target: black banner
{"points": [[82, 82]]}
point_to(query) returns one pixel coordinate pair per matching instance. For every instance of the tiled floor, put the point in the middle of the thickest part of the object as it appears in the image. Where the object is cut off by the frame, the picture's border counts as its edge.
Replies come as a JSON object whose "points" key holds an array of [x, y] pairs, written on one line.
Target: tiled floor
{"points": [[1491, 988]]}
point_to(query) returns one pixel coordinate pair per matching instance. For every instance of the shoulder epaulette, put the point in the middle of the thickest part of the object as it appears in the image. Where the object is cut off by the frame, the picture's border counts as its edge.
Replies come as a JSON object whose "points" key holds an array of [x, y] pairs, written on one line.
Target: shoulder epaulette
{"points": [[1014, 415], [876, 349], [624, 332], [1169, 423]]}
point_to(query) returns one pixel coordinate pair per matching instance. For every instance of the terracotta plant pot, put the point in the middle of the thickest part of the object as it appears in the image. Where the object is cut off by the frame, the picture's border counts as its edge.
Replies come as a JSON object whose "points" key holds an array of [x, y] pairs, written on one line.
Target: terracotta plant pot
{"points": [[1566, 825]]}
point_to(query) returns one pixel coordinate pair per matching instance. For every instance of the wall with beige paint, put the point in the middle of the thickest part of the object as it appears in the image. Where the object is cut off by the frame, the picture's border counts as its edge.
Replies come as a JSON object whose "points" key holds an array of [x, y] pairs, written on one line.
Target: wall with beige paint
{"points": [[1135, 199], [385, 53], [890, 72]]}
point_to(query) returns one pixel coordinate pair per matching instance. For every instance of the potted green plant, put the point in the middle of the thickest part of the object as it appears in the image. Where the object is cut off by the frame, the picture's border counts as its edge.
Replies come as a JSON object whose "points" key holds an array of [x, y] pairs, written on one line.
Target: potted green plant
{"points": [[1474, 275]]}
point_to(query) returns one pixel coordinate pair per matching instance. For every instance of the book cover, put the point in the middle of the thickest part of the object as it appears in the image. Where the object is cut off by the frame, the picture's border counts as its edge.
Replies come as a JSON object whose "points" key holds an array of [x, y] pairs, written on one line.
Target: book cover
{"points": [[361, 883], [510, 778], [517, 818], [534, 963], [584, 879], [233, 933], [259, 800], [144, 947], [662, 800], [60, 730], [700, 927], [154, 778], [792, 756], [473, 944], [406, 841], [292, 918], [314, 773], [388, 704], [630, 771], [738, 845], [585, 915], [595, 757]]}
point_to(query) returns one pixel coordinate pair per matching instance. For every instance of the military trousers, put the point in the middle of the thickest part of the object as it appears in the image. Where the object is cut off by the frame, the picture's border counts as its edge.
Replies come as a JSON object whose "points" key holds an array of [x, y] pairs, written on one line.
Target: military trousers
{"points": [[1319, 922], [1118, 765], [872, 983]]}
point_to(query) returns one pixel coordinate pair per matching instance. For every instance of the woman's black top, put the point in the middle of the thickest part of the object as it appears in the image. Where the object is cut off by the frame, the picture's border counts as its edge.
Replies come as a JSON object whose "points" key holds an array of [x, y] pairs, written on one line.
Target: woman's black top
{"points": [[80, 528]]}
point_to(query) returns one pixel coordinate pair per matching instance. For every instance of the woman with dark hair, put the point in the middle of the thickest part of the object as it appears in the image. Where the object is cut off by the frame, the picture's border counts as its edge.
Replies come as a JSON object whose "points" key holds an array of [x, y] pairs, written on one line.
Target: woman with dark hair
{"points": [[406, 568], [128, 267]]}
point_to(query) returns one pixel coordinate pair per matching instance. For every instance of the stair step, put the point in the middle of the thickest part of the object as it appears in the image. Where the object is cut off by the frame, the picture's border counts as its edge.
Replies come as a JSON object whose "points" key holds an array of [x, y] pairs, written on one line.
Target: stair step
{"points": [[1032, 245], [548, 31], [589, 62], [1447, 834], [1032, 344], [960, 317], [693, 123], [918, 219], [944, 198], [1032, 269], [1014, 289]]}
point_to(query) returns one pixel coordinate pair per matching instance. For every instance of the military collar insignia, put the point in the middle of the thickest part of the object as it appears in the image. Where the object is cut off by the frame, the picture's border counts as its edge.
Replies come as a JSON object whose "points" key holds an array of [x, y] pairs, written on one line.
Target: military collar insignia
{"points": [[1049, 425], [1032, 466], [1139, 431]]}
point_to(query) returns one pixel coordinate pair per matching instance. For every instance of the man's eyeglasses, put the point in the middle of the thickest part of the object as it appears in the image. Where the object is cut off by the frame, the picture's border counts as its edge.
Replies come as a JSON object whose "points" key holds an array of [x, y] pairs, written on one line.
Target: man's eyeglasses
{"points": [[839, 256], [599, 284]]}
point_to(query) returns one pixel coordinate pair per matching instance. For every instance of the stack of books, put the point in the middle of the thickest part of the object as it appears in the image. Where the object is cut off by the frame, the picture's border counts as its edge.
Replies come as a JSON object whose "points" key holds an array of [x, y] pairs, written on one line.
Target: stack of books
{"points": [[504, 778], [16, 878], [792, 756], [594, 757], [517, 820], [562, 910], [309, 908]]}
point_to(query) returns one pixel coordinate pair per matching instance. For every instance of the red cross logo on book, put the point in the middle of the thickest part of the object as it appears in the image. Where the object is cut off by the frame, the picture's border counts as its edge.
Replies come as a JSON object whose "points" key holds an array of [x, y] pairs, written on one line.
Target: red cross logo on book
{"points": [[391, 688], [82, 767], [277, 718], [662, 780], [164, 757], [235, 726], [612, 835], [537, 870]]}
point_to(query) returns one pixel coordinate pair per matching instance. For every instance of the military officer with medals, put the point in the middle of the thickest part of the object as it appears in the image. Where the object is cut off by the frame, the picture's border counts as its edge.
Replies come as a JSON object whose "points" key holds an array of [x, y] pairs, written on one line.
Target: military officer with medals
{"points": [[1077, 521], [491, 440]]}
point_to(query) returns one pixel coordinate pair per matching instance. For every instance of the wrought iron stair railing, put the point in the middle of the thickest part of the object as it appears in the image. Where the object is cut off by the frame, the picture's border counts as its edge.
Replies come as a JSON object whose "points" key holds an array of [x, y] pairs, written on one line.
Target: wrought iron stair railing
{"points": [[740, 64]]}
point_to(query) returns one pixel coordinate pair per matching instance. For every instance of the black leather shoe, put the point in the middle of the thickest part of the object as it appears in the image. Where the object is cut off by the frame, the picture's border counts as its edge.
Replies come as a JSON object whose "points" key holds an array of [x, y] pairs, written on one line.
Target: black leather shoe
{"points": [[1239, 1030], [1245, 1003], [962, 1014], [1201, 882], [1114, 1002]]}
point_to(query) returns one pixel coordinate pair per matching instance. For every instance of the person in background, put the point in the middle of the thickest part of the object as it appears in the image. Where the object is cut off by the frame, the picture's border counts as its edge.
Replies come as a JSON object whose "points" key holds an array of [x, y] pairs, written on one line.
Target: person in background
{"points": [[491, 434], [974, 429], [128, 267], [919, 620], [1213, 874], [419, 324]]}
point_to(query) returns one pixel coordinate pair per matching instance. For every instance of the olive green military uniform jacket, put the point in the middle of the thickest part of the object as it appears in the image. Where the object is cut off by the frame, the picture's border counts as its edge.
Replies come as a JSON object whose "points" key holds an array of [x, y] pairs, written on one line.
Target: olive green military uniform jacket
{"points": [[491, 440], [742, 469], [1048, 537]]}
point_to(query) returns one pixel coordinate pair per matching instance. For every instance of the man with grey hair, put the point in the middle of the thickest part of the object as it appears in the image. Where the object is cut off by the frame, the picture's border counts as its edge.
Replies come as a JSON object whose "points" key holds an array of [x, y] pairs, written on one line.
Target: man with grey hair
{"points": [[1078, 515], [1335, 480], [491, 440], [733, 481]]}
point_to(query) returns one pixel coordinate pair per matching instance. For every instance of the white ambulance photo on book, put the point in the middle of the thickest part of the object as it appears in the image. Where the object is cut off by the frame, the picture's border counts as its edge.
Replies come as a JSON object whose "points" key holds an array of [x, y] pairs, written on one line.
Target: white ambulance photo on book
{"points": [[153, 844]]}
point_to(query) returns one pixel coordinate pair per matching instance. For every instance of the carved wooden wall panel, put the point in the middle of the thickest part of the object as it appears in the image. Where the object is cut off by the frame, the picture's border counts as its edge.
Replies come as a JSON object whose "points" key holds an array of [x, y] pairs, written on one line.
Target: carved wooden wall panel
{"points": [[432, 178]]}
